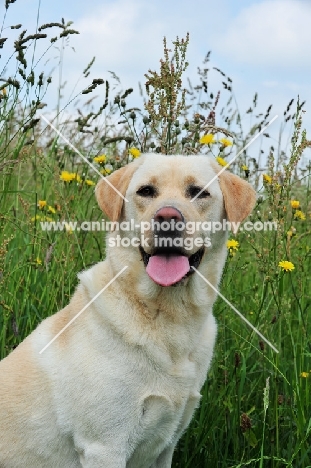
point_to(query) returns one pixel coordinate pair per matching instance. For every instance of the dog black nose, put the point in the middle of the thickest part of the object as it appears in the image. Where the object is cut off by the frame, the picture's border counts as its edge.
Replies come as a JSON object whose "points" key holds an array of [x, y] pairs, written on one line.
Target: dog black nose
{"points": [[168, 213]]}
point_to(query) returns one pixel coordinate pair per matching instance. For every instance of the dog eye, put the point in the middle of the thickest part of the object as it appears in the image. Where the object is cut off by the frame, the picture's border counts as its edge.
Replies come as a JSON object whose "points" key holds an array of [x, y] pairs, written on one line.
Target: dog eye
{"points": [[146, 191], [193, 191]]}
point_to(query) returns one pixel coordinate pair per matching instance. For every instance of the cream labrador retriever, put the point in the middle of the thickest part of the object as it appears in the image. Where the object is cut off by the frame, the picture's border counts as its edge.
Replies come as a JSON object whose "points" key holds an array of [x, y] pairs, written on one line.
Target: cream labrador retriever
{"points": [[119, 386]]}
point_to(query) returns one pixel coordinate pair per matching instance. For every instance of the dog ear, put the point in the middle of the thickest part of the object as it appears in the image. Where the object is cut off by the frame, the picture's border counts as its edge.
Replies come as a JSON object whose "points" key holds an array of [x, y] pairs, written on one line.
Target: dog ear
{"points": [[108, 190], [239, 196]]}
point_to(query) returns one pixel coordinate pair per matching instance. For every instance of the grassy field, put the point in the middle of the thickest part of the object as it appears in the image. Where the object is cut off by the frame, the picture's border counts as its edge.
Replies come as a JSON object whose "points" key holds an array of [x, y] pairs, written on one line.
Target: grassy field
{"points": [[256, 408]]}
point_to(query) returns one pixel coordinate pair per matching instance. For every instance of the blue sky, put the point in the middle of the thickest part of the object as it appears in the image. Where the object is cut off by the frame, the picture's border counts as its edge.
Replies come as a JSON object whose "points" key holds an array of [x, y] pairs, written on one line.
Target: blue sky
{"points": [[262, 45]]}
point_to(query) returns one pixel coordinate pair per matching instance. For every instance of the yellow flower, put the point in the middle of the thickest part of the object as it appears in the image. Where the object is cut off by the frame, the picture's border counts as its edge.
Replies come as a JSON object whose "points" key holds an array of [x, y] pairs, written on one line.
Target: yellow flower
{"points": [[286, 266], [106, 171], [304, 375], [89, 182], [67, 176], [221, 161], [101, 159], [267, 178], [244, 168], [295, 204], [226, 142], [134, 152], [36, 218], [300, 215], [70, 176], [41, 204], [38, 261], [51, 209], [207, 139], [232, 244], [108, 168]]}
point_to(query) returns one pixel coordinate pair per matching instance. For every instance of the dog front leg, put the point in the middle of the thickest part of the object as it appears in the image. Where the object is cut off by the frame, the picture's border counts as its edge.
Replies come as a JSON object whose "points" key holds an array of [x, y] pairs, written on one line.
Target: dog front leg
{"points": [[164, 460]]}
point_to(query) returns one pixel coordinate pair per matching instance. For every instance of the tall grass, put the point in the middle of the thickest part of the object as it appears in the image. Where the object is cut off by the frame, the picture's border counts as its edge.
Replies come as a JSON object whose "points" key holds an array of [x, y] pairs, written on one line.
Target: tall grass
{"points": [[255, 409]]}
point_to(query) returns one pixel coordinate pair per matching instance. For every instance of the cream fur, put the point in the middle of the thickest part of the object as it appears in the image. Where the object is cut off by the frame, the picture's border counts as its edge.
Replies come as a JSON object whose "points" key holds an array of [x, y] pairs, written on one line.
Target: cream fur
{"points": [[120, 385]]}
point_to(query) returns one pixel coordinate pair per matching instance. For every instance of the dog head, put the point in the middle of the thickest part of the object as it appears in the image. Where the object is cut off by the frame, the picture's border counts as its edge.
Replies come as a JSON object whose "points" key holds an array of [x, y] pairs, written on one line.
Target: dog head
{"points": [[172, 206]]}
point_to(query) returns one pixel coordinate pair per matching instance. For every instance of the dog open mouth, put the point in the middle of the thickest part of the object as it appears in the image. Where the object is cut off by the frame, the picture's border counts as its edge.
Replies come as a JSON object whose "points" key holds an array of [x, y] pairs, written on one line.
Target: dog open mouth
{"points": [[168, 267]]}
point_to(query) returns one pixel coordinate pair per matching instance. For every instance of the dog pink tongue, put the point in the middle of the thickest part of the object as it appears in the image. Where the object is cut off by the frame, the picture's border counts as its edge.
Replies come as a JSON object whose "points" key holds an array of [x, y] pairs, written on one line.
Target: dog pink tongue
{"points": [[166, 271]]}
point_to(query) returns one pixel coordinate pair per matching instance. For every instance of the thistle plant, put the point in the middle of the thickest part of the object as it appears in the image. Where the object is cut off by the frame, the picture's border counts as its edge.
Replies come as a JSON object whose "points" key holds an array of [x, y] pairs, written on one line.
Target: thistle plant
{"points": [[167, 127], [166, 97]]}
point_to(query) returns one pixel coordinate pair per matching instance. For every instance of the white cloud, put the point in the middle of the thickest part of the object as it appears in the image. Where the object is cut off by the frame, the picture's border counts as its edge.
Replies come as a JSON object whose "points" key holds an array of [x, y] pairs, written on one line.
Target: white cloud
{"points": [[273, 33], [119, 36]]}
